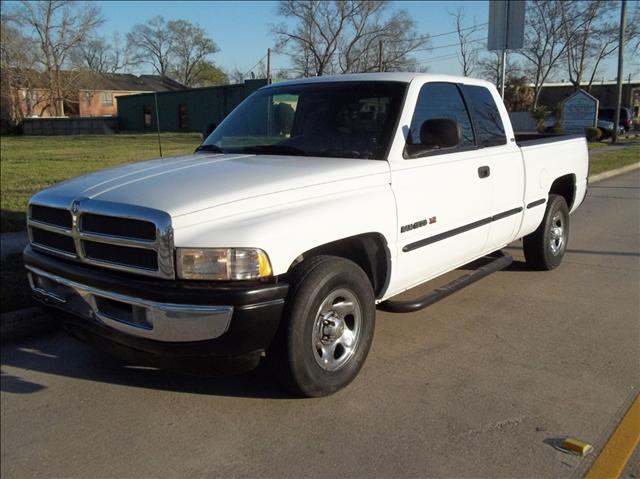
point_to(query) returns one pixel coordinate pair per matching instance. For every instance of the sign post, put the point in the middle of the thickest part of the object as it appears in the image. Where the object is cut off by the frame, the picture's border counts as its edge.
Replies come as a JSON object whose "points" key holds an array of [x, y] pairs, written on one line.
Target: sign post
{"points": [[506, 30]]}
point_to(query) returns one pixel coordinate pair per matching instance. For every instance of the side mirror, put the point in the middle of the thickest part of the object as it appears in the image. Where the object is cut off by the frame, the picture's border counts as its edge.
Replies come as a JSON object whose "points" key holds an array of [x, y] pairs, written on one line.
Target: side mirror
{"points": [[440, 133]]}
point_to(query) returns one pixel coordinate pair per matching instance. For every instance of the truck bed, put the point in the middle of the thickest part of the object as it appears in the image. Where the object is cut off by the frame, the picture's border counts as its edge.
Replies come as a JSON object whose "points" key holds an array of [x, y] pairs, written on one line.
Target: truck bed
{"points": [[529, 139]]}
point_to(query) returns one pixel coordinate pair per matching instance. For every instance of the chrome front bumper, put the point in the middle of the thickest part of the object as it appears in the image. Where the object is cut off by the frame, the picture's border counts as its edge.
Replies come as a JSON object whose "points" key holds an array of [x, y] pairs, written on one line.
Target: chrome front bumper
{"points": [[130, 315]]}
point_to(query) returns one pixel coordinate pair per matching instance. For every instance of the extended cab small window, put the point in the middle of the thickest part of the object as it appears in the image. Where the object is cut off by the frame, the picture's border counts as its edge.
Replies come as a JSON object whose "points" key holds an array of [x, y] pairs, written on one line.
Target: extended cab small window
{"points": [[439, 101], [487, 118]]}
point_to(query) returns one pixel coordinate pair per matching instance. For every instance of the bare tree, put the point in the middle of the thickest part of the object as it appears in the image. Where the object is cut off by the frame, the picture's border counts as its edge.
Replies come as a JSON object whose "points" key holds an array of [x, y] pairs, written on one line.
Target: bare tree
{"points": [[236, 75], [316, 34], [100, 56], [18, 68], [606, 39], [345, 36], [151, 44], [591, 32], [467, 54], [545, 42], [177, 48], [370, 36], [489, 67], [58, 28], [190, 49]]}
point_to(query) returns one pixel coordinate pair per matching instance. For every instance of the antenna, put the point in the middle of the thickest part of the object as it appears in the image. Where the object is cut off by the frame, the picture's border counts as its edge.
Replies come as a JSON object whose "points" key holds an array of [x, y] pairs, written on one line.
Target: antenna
{"points": [[155, 97]]}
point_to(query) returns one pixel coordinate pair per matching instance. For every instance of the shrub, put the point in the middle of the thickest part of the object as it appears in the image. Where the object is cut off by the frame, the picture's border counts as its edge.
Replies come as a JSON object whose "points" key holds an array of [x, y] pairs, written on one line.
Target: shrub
{"points": [[539, 115], [593, 134]]}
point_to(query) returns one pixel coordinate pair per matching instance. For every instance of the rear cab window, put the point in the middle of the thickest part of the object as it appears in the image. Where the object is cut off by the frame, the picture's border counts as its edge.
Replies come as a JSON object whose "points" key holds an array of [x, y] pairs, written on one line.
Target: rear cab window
{"points": [[487, 119]]}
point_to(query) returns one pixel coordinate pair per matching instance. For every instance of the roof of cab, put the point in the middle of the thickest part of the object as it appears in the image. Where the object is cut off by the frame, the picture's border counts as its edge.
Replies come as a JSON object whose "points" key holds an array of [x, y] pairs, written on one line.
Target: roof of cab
{"points": [[404, 77]]}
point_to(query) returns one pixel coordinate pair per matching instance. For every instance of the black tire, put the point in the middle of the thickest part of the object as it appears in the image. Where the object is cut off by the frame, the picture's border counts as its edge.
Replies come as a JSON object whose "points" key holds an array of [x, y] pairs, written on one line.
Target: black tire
{"points": [[545, 247], [294, 357]]}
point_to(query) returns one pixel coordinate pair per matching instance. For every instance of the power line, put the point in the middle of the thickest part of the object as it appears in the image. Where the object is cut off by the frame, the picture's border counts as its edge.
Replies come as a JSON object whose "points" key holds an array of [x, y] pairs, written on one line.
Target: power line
{"points": [[426, 49], [428, 37], [257, 63], [444, 57], [462, 30]]}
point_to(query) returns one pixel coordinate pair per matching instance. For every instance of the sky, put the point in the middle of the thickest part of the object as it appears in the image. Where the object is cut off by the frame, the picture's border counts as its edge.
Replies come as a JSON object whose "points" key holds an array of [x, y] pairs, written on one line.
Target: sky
{"points": [[241, 29]]}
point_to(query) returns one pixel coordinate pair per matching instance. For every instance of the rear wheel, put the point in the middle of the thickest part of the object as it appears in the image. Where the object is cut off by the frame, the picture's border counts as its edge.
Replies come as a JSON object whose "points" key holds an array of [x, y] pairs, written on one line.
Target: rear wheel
{"points": [[327, 329], [545, 247]]}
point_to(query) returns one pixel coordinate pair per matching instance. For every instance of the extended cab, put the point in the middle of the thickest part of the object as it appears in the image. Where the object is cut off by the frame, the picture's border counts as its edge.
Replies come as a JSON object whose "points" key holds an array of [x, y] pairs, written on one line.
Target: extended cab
{"points": [[314, 201]]}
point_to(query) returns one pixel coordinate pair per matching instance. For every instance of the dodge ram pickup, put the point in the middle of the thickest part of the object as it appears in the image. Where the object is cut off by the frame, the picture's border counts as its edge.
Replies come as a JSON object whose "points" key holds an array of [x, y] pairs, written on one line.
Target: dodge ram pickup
{"points": [[312, 205]]}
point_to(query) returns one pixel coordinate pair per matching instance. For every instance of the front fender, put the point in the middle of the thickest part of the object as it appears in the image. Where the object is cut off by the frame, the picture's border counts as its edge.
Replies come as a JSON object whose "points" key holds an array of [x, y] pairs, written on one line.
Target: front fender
{"points": [[286, 231]]}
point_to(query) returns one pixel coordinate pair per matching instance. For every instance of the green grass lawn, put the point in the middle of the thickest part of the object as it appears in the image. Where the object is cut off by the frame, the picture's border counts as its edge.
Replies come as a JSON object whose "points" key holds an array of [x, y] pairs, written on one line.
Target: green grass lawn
{"points": [[615, 158], [29, 164]]}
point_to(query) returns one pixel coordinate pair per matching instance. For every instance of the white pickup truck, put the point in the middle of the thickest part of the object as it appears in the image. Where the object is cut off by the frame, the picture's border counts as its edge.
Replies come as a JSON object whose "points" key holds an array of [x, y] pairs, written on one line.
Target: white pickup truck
{"points": [[311, 205]]}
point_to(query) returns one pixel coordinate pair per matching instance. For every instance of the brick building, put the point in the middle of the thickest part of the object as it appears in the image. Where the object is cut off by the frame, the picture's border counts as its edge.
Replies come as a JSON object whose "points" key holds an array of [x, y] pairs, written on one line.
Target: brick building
{"points": [[87, 95]]}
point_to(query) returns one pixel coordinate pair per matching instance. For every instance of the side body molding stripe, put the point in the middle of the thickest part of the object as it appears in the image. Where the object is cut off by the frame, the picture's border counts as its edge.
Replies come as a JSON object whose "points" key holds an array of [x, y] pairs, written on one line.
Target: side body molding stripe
{"points": [[536, 203], [459, 230]]}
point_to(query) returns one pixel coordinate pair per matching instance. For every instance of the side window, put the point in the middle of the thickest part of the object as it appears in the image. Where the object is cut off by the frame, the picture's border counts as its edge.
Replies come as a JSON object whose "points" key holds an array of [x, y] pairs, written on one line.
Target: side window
{"points": [[441, 100], [486, 115], [106, 98]]}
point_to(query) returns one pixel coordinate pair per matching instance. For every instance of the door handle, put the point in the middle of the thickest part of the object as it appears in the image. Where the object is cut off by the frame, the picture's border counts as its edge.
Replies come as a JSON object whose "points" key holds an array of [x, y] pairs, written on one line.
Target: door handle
{"points": [[484, 172]]}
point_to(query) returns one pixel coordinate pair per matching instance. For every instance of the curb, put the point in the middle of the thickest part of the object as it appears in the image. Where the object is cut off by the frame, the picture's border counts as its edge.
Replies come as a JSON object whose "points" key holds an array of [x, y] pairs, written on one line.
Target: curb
{"points": [[25, 322], [619, 171], [28, 321]]}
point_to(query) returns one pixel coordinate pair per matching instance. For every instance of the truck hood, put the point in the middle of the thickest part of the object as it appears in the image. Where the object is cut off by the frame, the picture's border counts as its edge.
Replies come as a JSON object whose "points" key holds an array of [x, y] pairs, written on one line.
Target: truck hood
{"points": [[186, 184]]}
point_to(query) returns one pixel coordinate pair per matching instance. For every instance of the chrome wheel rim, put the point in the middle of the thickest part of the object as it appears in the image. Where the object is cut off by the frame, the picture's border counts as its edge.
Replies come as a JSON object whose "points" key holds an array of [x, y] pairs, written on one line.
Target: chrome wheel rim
{"points": [[336, 329], [556, 234]]}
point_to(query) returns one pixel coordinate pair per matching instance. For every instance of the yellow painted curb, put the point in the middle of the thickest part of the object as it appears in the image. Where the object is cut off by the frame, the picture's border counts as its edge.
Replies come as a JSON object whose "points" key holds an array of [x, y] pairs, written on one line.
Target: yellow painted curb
{"points": [[616, 453]]}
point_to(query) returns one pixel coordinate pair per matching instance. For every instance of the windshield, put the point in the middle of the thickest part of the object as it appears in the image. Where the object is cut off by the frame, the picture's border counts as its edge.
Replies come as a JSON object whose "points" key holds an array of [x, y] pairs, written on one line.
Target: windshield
{"points": [[339, 119]]}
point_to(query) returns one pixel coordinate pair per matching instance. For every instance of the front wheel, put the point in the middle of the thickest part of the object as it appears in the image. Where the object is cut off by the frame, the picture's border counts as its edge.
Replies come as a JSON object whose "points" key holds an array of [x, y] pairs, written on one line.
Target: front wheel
{"points": [[328, 326], [546, 246]]}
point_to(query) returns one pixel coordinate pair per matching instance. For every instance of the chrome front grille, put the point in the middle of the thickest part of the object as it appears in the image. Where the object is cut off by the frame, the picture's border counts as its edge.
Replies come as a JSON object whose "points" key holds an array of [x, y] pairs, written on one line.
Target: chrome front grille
{"points": [[114, 236]]}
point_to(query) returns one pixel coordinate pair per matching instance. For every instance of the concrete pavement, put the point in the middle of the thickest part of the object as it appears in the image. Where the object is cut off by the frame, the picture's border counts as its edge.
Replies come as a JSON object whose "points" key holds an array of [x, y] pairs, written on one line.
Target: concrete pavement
{"points": [[11, 243], [482, 384]]}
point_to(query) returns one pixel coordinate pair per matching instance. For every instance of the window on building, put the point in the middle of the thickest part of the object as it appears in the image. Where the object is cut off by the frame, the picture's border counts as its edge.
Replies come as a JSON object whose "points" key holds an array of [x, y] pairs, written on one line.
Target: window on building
{"points": [[106, 98], [441, 100], [182, 116], [486, 115], [146, 112]]}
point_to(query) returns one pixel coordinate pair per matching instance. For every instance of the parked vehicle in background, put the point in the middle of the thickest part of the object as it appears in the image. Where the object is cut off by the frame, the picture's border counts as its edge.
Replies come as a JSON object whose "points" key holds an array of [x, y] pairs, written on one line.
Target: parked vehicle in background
{"points": [[608, 114], [313, 202], [606, 127]]}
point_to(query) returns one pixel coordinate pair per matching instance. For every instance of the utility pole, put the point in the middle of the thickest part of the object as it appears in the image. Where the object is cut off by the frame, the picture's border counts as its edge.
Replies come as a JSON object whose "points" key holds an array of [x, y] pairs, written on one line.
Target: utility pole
{"points": [[380, 56], [268, 66], [623, 21]]}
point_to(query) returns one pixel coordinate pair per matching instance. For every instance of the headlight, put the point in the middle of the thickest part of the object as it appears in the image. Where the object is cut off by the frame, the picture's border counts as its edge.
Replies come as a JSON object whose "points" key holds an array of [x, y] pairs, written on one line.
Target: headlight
{"points": [[222, 263]]}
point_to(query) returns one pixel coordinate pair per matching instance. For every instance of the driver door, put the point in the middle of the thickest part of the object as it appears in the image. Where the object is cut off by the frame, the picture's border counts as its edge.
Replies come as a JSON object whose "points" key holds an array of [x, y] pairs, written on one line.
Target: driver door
{"points": [[442, 195]]}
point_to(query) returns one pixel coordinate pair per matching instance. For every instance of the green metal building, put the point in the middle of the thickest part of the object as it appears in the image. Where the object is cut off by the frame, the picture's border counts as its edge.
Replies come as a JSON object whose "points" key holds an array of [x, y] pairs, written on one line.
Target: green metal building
{"points": [[182, 110]]}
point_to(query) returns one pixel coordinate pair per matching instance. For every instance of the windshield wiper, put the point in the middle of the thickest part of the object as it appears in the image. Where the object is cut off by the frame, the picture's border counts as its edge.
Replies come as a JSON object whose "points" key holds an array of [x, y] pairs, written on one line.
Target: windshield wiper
{"points": [[274, 150], [342, 152], [211, 147]]}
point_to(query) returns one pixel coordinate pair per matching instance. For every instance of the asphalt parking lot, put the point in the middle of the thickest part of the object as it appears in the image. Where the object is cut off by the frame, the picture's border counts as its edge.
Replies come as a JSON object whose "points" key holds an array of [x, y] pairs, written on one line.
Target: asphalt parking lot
{"points": [[482, 384]]}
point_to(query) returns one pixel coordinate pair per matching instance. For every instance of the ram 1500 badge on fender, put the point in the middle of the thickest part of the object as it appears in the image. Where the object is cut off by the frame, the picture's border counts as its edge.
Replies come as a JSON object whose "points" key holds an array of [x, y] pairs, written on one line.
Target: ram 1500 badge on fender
{"points": [[313, 202]]}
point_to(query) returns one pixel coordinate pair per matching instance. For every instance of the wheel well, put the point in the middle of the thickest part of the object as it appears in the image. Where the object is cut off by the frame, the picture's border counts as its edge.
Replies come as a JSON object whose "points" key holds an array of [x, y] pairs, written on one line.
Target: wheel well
{"points": [[565, 186], [369, 251]]}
